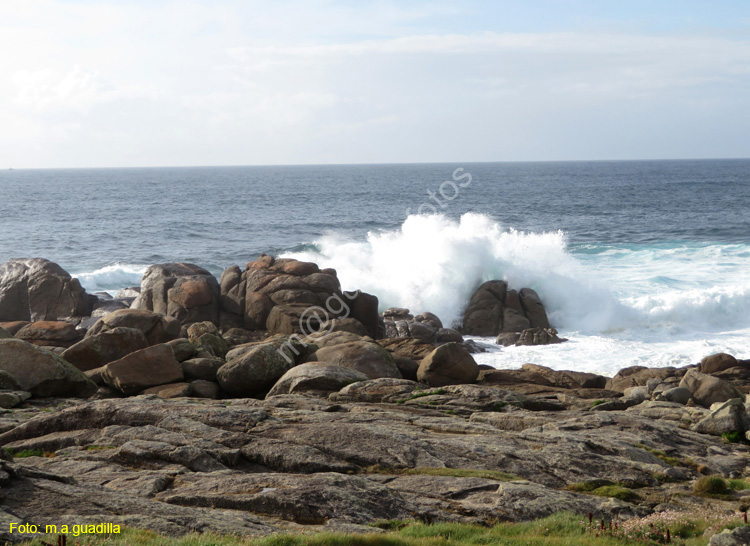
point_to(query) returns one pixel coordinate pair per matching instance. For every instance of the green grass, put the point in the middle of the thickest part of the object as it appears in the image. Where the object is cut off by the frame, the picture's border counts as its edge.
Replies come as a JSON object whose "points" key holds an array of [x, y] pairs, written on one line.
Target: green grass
{"points": [[738, 485], [98, 448], [671, 461], [605, 488], [22, 453], [562, 529], [420, 394], [453, 472]]}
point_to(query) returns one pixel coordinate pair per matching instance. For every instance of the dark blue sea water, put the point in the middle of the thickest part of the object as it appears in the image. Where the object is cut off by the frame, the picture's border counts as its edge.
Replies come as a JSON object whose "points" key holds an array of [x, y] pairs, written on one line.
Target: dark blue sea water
{"points": [[640, 262]]}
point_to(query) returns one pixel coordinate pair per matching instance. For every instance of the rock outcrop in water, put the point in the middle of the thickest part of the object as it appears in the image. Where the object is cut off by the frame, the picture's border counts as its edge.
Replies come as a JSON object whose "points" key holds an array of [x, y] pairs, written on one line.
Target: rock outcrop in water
{"points": [[494, 308]]}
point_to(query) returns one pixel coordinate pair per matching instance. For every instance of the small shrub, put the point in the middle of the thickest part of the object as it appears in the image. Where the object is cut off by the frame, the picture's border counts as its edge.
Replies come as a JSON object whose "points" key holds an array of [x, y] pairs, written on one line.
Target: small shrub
{"points": [[617, 492], [710, 486], [734, 437]]}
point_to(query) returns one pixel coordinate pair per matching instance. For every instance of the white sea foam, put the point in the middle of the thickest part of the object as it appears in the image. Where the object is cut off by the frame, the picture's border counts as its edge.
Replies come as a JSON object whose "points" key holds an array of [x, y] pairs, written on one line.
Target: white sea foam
{"points": [[111, 278], [433, 264], [657, 305]]}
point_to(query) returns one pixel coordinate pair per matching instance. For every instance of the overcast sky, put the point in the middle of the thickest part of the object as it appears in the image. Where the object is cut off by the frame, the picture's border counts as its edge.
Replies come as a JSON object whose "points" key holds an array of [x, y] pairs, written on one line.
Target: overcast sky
{"points": [[86, 83]]}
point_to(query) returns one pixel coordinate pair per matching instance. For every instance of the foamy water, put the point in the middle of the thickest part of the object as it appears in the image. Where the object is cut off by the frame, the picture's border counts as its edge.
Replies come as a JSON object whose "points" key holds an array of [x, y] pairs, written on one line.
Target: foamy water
{"points": [[666, 304]]}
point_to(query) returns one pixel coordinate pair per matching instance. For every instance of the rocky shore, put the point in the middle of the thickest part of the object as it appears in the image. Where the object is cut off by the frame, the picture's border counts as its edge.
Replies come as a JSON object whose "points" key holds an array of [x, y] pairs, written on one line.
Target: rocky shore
{"points": [[271, 399]]}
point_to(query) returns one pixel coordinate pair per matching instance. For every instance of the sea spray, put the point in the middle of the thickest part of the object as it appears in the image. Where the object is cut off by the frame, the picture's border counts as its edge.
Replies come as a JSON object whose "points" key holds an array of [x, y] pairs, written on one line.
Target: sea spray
{"points": [[111, 278], [650, 304], [434, 263]]}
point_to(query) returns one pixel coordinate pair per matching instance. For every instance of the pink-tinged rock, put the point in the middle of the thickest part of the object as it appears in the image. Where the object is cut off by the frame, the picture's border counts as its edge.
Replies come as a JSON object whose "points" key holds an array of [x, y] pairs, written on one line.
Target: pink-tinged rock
{"points": [[49, 333], [142, 369]]}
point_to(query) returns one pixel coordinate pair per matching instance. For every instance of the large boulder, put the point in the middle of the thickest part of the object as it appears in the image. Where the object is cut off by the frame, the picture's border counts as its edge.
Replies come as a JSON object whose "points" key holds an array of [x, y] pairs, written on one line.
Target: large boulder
{"points": [[181, 290], [484, 314], [730, 416], [295, 319], [249, 296], [13, 327], [50, 333], [316, 377], [363, 356], [253, 371], [201, 368], [36, 289], [638, 376], [533, 308], [717, 363], [449, 364], [156, 327], [411, 348], [149, 367], [8, 382], [494, 308], [739, 536], [99, 349], [41, 372], [707, 389], [364, 308]]}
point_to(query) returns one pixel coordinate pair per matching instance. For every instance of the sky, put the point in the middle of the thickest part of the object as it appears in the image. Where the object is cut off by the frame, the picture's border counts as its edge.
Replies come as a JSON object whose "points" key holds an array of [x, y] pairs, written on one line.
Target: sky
{"points": [[87, 83]]}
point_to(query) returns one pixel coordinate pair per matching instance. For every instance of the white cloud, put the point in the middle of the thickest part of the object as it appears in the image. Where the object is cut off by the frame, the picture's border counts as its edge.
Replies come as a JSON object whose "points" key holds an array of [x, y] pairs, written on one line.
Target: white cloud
{"points": [[303, 82]]}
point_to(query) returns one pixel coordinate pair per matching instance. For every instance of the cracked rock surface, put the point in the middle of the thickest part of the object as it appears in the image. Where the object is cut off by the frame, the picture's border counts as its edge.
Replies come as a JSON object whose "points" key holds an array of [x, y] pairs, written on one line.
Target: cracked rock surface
{"points": [[465, 454]]}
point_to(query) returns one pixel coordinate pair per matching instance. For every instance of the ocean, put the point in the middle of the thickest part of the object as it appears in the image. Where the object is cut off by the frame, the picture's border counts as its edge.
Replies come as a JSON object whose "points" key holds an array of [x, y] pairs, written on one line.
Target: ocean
{"points": [[638, 262]]}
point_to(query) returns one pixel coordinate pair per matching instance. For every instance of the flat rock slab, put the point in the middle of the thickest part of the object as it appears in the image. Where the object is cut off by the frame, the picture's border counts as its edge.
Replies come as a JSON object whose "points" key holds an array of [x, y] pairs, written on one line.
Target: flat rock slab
{"points": [[296, 461]]}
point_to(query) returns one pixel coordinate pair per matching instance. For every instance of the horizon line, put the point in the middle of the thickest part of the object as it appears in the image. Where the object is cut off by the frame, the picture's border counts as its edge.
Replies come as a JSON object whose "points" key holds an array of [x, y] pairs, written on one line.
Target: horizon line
{"points": [[395, 163]]}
